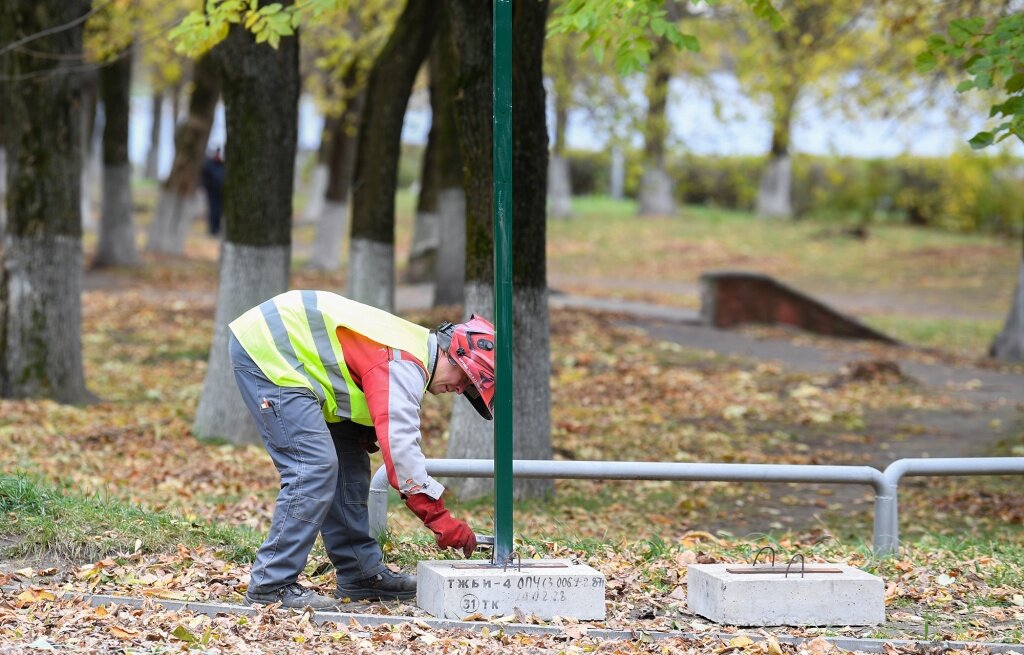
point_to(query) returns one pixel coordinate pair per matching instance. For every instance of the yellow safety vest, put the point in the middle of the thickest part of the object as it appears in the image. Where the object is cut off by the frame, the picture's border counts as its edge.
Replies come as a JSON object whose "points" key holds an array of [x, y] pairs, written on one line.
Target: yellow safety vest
{"points": [[293, 338]]}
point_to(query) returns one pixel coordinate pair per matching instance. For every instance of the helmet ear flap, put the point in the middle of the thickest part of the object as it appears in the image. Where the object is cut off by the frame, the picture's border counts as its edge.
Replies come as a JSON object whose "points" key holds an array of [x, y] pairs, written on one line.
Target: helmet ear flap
{"points": [[444, 335]]}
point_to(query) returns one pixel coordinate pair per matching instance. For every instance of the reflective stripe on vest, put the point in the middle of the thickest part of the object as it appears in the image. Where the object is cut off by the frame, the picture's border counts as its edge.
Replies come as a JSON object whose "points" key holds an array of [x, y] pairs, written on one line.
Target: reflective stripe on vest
{"points": [[293, 338]]}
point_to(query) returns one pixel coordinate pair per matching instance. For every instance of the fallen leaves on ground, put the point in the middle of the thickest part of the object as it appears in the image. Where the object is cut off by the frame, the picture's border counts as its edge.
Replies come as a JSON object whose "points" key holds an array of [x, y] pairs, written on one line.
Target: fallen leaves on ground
{"points": [[75, 625]]}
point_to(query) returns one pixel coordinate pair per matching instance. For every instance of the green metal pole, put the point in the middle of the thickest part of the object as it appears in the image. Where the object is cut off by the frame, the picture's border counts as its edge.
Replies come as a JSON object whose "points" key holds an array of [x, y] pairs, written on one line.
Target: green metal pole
{"points": [[503, 438]]}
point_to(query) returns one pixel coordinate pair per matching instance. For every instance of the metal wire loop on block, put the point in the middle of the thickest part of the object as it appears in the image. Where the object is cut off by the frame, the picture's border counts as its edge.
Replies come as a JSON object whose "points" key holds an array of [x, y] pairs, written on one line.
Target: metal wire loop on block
{"points": [[793, 559], [761, 550]]}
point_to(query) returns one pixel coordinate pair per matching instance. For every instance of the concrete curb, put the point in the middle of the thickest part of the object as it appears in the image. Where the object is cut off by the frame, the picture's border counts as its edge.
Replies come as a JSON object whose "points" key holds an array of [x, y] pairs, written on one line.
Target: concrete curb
{"points": [[373, 620]]}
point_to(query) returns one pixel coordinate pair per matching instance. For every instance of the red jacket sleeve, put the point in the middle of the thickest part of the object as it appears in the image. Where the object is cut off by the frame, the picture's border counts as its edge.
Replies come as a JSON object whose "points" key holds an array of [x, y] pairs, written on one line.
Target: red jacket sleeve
{"points": [[393, 382]]}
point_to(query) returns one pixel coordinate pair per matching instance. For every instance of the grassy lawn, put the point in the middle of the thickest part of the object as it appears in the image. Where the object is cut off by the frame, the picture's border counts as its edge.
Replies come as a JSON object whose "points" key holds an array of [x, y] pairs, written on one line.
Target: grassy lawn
{"points": [[55, 525], [926, 287]]}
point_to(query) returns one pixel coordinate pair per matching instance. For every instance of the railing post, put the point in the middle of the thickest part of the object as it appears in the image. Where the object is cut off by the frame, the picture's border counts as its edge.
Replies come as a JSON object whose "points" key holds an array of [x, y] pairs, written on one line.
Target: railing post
{"points": [[377, 503], [885, 537]]}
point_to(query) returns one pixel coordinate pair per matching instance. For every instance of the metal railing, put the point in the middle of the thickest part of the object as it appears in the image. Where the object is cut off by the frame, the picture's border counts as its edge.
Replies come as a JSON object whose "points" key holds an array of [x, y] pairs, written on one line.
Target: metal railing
{"points": [[885, 537]]}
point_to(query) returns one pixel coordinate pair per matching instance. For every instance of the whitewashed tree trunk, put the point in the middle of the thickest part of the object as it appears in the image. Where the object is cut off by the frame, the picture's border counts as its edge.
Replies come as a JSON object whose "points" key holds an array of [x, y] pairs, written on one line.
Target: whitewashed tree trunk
{"points": [[423, 252], [179, 203], [315, 204], [451, 251], [532, 390], [470, 435], [174, 215], [117, 232], [774, 193], [559, 188], [371, 278], [41, 248], [618, 174], [656, 193], [1009, 343], [92, 173], [330, 236], [156, 127], [43, 290], [248, 276]]}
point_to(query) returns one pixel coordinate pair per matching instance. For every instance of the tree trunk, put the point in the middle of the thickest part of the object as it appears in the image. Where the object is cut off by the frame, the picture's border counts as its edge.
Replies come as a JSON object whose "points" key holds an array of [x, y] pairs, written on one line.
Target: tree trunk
{"points": [[261, 95], [371, 264], [470, 22], [179, 203], [422, 262], [1009, 343], [117, 230], [617, 174], [330, 231], [559, 182], [176, 103], [774, 194], [314, 209], [656, 193], [532, 371], [92, 156], [442, 206], [152, 169], [560, 187], [41, 272], [469, 436], [4, 115], [3, 179], [450, 263]]}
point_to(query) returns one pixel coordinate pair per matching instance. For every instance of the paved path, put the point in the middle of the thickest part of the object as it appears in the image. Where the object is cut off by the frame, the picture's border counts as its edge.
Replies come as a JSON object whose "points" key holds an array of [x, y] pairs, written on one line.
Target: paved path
{"points": [[976, 384]]}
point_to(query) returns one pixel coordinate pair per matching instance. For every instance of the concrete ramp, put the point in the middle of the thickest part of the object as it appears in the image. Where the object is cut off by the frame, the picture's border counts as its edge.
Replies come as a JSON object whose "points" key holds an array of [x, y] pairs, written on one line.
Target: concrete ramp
{"points": [[731, 298]]}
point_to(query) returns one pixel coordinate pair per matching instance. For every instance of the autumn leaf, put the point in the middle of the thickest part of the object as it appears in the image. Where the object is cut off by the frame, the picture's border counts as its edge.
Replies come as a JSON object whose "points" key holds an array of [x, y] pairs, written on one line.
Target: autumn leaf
{"points": [[34, 595], [820, 646], [740, 642], [123, 633], [575, 631], [182, 633], [169, 594]]}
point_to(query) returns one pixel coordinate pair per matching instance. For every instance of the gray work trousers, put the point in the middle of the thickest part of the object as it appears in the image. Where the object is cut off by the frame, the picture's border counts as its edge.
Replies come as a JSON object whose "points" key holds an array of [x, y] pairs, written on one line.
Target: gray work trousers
{"points": [[325, 482]]}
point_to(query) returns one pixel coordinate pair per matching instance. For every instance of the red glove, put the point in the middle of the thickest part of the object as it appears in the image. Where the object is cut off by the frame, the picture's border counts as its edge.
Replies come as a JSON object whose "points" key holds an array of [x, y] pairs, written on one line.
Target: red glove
{"points": [[450, 532]]}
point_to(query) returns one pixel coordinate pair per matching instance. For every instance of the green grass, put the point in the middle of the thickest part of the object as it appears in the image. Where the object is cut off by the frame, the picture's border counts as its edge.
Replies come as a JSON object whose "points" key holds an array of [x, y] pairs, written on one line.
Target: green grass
{"points": [[950, 334], [48, 522], [927, 287], [606, 236]]}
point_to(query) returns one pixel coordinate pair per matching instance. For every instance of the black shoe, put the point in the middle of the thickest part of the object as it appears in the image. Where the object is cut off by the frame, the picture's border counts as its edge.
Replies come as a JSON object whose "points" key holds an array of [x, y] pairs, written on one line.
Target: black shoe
{"points": [[386, 585], [291, 595]]}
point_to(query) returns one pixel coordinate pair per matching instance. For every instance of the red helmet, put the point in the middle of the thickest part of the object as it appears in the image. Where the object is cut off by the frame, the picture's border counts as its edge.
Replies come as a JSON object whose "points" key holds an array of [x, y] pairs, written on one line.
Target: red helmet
{"points": [[472, 346]]}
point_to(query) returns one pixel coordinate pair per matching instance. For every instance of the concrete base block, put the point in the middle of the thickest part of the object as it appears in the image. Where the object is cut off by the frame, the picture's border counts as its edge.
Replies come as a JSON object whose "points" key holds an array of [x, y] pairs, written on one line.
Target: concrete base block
{"points": [[850, 597], [449, 589]]}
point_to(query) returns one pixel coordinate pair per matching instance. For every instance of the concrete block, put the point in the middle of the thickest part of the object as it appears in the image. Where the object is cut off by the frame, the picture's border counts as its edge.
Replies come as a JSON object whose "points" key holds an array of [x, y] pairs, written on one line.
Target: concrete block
{"points": [[850, 597], [449, 589]]}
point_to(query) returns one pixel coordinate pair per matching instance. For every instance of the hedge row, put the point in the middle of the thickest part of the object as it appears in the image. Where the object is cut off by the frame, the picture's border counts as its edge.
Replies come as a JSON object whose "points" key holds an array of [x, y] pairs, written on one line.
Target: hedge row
{"points": [[965, 192]]}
